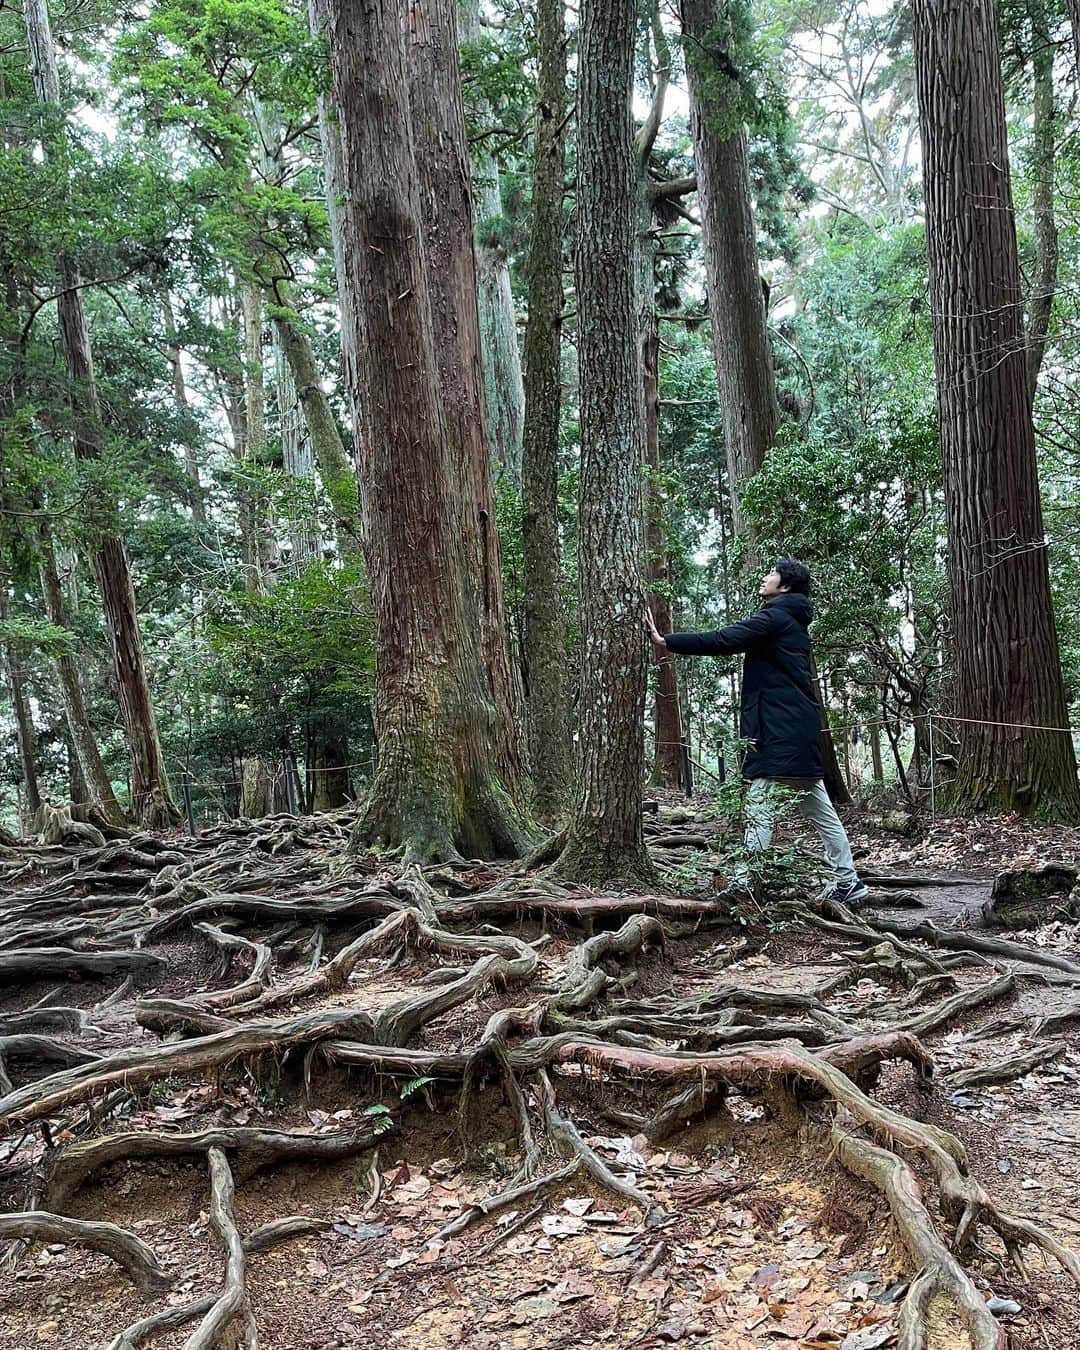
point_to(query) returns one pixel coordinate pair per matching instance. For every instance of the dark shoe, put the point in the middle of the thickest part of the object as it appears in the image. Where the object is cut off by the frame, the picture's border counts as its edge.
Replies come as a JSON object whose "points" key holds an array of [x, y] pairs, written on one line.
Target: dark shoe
{"points": [[850, 893]]}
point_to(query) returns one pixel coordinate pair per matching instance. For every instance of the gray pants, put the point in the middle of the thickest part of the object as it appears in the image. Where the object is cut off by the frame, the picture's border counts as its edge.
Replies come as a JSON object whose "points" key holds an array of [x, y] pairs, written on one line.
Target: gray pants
{"points": [[814, 806]]}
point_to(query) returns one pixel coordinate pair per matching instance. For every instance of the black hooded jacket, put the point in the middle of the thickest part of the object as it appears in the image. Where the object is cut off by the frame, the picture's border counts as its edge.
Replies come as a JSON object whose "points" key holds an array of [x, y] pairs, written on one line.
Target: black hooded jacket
{"points": [[779, 711]]}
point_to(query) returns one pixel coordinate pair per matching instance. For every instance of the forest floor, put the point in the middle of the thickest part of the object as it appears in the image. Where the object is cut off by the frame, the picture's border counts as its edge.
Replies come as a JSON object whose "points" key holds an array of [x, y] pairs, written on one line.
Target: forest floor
{"points": [[201, 1038]]}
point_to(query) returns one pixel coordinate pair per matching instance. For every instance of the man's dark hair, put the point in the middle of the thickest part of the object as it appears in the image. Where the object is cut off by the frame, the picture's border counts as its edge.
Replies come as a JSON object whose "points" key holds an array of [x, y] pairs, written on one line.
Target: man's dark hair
{"points": [[794, 576]]}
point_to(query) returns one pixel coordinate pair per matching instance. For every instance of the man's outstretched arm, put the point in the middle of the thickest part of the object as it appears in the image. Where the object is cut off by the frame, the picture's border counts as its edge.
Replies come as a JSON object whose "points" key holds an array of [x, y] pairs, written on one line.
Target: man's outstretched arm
{"points": [[735, 637]]}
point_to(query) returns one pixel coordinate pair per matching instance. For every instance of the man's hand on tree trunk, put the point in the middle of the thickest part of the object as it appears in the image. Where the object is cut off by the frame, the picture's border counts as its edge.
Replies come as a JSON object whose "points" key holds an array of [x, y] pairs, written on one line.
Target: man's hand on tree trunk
{"points": [[659, 642]]}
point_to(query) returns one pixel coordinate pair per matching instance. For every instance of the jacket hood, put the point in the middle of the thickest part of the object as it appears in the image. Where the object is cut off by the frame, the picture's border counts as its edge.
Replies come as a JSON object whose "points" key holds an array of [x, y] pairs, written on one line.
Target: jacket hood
{"points": [[798, 606]]}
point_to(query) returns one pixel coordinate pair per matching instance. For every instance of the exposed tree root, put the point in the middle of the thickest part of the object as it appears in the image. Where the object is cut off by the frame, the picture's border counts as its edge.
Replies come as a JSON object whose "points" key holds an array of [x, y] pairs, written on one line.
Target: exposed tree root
{"points": [[960, 941], [1005, 1070], [940, 1275], [129, 1252], [367, 905], [566, 1134], [256, 981], [788, 1046], [920, 1024], [70, 1166], [130, 1068], [261, 1239], [232, 1302], [582, 911], [38, 963]]}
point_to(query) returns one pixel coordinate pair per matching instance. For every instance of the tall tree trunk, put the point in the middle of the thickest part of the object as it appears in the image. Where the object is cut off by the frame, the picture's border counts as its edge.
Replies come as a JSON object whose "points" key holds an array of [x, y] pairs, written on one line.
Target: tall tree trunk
{"points": [[740, 338], [1074, 20], [438, 788], [24, 725], [77, 788], [191, 462], [504, 389], [298, 462], [151, 799], [264, 539], [443, 178], [71, 690], [336, 470], [873, 731], [504, 392], [1007, 667], [329, 772], [1044, 132], [604, 837], [667, 717], [319, 20], [831, 774], [545, 634]]}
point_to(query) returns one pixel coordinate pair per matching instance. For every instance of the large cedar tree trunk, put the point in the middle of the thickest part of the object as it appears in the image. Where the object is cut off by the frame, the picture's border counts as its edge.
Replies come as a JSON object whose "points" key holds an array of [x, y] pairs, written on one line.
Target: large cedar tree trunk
{"points": [[667, 770], [443, 177], [438, 789], [604, 838], [1007, 667], [667, 716], [744, 369], [151, 803], [545, 634]]}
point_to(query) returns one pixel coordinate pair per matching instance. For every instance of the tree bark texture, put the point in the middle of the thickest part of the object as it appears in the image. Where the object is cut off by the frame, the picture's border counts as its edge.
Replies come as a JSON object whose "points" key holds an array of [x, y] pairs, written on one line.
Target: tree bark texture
{"points": [[1044, 281], [336, 470], [180, 394], [438, 789], [744, 369], [264, 537], [75, 711], [319, 19], [445, 188], [604, 837], [504, 392], [667, 769], [545, 634], [667, 716], [1007, 666], [298, 462], [151, 800]]}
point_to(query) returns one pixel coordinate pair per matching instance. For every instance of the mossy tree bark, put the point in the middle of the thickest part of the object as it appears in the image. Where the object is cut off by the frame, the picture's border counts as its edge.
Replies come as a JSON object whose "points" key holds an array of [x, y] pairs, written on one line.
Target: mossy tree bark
{"points": [[438, 790], [1007, 666], [604, 837], [545, 635]]}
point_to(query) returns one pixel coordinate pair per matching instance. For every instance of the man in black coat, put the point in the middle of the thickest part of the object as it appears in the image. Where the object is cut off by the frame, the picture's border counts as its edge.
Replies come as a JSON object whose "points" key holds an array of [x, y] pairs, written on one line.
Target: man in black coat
{"points": [[779, 714]]}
